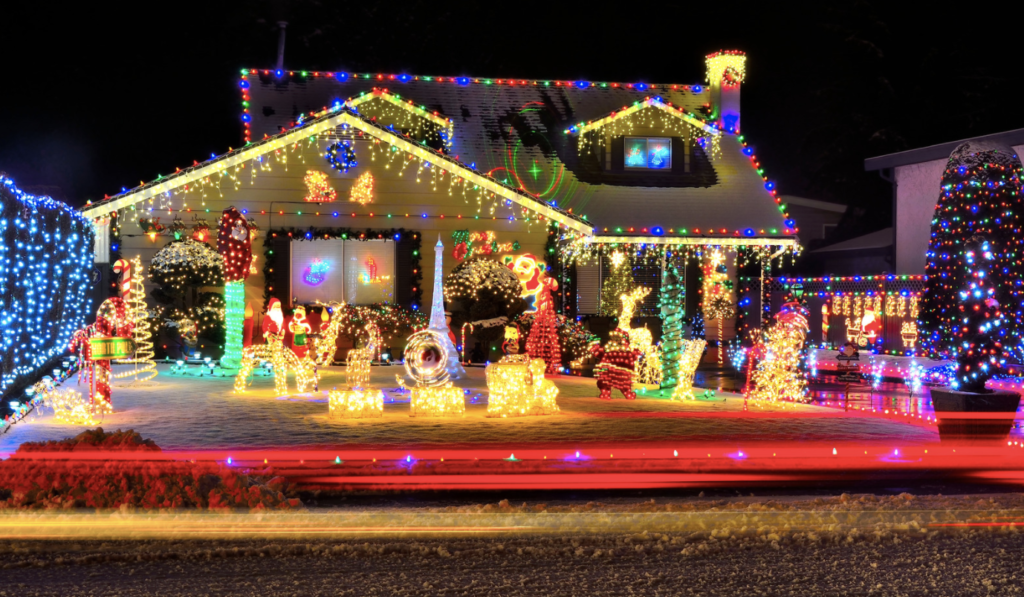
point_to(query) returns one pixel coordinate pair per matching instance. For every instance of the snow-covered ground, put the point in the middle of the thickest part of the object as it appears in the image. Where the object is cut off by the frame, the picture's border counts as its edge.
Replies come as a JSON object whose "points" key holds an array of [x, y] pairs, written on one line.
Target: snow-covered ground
{"points": [[204, 413]]}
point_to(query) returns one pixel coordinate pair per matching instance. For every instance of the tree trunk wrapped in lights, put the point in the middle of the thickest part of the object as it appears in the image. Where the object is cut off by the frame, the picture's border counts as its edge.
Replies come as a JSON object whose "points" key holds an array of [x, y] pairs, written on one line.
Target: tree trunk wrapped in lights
{"points": [[689, 359], [981, 194], [672, 310], [774, 373]]}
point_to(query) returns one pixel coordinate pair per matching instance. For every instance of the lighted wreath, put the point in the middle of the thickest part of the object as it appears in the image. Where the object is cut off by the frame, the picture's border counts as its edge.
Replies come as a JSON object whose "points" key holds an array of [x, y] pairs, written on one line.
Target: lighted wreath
{"points": [[341, 156]]}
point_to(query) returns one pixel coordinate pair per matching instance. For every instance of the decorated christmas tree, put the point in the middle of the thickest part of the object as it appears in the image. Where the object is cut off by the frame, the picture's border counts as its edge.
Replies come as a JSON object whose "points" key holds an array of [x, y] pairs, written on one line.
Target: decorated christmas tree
{"points": [[620, 282], [673, 292], [774, 373], [138, 315], [482, 289], [981, 195], [980, 332]]}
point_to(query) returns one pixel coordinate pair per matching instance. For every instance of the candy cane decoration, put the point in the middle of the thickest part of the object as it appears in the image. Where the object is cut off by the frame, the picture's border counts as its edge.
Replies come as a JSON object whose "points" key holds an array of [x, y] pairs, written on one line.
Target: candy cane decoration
{"points": [[124, 268]]}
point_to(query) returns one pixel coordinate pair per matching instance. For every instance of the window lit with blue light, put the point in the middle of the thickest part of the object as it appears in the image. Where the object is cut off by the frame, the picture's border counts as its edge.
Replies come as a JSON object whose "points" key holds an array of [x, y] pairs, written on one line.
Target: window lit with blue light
{"points": [[649, 153]]}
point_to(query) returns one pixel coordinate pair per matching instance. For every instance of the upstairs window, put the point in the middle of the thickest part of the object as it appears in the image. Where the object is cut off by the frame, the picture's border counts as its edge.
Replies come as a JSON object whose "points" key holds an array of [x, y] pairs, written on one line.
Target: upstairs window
{"points": [[648, 153]]}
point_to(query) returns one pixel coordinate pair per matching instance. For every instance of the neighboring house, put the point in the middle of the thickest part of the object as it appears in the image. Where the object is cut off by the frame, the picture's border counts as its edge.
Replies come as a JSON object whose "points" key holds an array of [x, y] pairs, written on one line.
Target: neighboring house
{"points": [[916, 176], [862, 255], [657, 170], [817, 218]]}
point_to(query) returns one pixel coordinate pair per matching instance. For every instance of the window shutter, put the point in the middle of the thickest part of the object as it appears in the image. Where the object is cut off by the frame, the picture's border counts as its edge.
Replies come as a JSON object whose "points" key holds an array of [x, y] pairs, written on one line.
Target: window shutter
{"points": [[679, 155], [618, 154], [403, 270], [588, 289]]}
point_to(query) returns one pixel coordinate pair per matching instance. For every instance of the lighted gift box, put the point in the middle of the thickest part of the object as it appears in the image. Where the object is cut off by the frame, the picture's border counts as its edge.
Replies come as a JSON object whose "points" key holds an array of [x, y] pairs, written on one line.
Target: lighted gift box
{"points": [[356, 403], [438, 401], [519, 389]]}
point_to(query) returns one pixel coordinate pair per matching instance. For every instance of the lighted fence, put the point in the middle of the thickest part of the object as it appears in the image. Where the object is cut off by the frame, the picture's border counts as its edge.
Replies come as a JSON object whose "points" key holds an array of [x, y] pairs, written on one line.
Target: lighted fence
{"points": [[875, 312]]}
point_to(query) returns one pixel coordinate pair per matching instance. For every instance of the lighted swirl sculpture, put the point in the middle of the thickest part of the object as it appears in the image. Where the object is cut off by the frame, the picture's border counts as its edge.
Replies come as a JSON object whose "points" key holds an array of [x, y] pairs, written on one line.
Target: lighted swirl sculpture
{"points": [[426, 360]]}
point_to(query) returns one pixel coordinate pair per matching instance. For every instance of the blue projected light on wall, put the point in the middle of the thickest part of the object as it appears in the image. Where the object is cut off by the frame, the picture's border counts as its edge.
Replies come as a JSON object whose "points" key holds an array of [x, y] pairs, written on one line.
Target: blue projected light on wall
{"points": [[316, 272], [649, 153]]}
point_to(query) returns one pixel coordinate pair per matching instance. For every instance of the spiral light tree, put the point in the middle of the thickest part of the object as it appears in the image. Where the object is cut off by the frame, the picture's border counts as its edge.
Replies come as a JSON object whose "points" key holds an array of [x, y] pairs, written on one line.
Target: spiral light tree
{"points": [[234, 243], [134, 296]]}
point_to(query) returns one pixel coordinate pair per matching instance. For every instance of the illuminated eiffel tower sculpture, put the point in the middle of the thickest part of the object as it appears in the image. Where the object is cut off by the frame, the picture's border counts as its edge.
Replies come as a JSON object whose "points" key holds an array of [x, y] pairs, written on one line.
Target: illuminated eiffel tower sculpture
{"points": [[437, 319]]}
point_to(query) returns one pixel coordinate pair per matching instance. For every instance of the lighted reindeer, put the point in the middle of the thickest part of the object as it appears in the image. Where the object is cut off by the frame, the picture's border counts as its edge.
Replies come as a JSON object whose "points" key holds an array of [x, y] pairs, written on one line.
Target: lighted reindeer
{"points": [[357, 363], [326, 345], [281, 358], [649, 365]]}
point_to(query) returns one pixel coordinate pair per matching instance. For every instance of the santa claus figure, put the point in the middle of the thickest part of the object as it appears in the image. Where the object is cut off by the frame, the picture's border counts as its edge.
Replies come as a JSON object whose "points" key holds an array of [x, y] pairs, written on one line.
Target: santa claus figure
{"points": [[273, 323]]}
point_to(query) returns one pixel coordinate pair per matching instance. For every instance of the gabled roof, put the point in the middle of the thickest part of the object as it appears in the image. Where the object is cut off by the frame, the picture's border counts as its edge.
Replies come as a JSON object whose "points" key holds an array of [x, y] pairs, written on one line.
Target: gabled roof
{"points": [[514, 130], [647, 102], [939, 152], [332, 118]]}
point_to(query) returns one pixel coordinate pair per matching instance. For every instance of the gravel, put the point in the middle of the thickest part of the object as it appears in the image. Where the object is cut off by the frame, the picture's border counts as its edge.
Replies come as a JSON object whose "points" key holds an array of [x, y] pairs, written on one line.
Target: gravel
{"points": [[971, 561]]}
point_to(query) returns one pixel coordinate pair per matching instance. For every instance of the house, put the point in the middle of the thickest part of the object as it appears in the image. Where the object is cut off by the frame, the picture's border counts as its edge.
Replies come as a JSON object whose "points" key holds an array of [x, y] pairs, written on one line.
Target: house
{"points": [[916, 176], [331, 160]]}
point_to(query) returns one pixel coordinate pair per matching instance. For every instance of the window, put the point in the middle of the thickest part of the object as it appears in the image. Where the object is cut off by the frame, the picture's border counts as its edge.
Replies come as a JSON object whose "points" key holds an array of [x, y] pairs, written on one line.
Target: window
{"points": [[357, 272], [648, 153]]}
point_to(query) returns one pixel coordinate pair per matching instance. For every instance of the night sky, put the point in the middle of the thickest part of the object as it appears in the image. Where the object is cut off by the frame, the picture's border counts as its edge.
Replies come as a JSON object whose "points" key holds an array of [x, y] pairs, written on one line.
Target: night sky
{"points": [[95, 100]]}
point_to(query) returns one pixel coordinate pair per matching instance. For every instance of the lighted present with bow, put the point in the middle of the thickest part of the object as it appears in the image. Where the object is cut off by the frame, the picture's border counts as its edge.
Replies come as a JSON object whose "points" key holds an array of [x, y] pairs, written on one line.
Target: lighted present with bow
{"points": [[356, 403], [519, 389]]}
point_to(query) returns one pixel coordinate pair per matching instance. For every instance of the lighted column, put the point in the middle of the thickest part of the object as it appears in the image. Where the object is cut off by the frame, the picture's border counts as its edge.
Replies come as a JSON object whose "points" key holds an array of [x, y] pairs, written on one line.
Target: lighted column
{"points": [[437, 319], [234, 243]]}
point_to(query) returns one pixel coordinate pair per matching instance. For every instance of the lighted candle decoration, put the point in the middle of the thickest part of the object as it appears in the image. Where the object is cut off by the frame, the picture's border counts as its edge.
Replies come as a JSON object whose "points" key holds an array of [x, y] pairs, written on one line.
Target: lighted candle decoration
{"points": [[426, 361], [518, 389]]}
